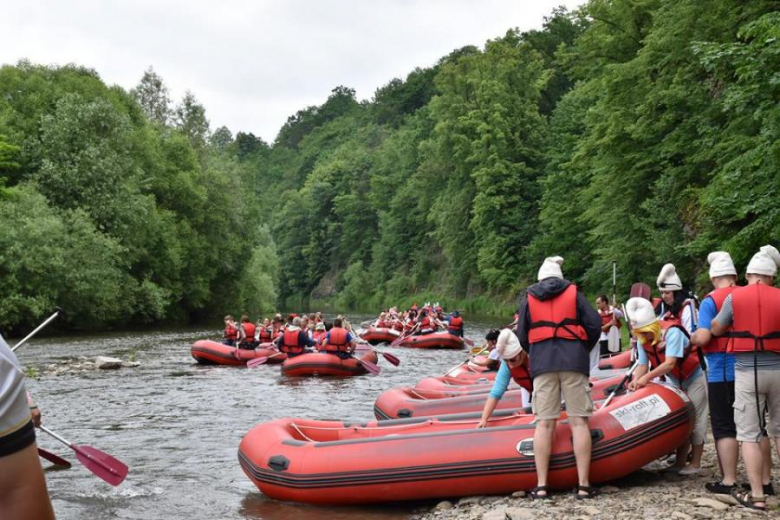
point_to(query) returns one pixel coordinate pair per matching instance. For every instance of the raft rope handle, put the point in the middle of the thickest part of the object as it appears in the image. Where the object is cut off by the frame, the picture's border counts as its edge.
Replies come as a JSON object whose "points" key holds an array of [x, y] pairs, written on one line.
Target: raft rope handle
{"points": [[416, 394], [301, 433]]}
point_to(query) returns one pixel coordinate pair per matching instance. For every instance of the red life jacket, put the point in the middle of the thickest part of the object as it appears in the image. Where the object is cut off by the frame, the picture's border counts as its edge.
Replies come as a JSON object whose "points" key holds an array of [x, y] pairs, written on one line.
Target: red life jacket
{"points": [[265, 335], [231, 332], [381, 324], [456, 325], [685, 366], [522, 376], [669, 319], [249, 330], [756, 319], [425, 325], [555, 318], [606, 317], [720, 343], [337, 341], [290, 342], [318, 335]]}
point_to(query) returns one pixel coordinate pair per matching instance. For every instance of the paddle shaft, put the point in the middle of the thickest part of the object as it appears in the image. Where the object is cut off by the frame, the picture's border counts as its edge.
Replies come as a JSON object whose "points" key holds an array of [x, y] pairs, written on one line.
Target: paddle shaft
{"points": [[34, 332], [614, 283], [622, 382]]}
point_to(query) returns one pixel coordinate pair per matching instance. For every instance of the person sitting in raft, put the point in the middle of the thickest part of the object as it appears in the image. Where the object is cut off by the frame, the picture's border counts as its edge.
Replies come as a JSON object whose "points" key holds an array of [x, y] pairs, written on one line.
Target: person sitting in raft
{"points": [[276, 327], [674, 308], [427, 325], [338, 341], [515, 366], [23, 493], [671, 355], [230, 336], [492, 360], [263, 332], [455, 324], [319, 333], [246, 334], [294, 341]]}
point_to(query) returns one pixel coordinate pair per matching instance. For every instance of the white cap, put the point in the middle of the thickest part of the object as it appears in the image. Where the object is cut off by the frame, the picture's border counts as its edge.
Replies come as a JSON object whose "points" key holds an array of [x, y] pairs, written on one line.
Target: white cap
{"points": [[764, 262], [551, 267], [668, 279], [640, 312], [508, 346], [721, 264]]}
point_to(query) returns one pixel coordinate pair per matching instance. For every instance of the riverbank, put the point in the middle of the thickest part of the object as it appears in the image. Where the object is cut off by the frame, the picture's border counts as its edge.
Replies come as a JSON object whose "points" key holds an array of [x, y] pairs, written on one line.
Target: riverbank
{"points": [[648, 494]]}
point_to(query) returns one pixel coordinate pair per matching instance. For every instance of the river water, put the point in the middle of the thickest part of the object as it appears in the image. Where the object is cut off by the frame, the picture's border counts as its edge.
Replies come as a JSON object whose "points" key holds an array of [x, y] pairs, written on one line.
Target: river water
{"points": [[177, 425]]}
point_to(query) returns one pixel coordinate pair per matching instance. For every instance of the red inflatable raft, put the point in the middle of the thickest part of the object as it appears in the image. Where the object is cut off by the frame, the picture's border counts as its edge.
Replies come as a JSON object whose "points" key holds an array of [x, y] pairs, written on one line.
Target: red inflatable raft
{"points": [[433, 340], [411, 402], [375, 335], [331, 462], [322, 364], [622, 360], [208, 352]]}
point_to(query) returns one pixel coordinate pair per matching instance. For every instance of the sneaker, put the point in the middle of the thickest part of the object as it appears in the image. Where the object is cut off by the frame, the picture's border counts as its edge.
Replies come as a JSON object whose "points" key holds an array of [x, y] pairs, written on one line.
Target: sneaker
{"points": [[719, 488], [768, 489], [688, 471]]}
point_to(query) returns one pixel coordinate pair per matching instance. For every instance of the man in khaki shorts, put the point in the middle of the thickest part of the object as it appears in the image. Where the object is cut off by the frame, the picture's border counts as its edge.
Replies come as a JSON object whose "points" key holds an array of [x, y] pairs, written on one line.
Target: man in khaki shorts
{"points": [[558, 327]]}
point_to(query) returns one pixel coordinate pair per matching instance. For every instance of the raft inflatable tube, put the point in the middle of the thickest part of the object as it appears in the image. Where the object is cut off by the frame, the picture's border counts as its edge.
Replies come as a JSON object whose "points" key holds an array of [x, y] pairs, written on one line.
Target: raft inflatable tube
{"points": [[398, 403], [333, 462], [433, 340], [455, 386], [468, 370], [322, 364], [622, 360], [207, 352], [377, 335]]}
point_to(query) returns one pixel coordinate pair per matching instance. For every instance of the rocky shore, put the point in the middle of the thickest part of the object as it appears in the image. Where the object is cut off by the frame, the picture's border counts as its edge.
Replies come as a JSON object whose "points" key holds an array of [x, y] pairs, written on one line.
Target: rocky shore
{"points": [[648, 494]]}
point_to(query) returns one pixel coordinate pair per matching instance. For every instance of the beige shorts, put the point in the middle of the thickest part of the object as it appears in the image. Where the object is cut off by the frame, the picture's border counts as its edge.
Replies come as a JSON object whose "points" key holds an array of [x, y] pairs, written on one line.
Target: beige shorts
{"points": [[552, 387], [746, 410], [697, 392]]}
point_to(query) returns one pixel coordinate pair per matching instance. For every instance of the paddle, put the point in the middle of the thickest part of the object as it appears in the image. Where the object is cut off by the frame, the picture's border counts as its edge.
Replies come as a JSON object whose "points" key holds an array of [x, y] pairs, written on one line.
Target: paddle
{"points": [[57, 312], [405, 335], [259, 361], [54, 459], [641, 290], [100, 464], [369, 366], [389, 357], [620, 385], [448, 372], [475, 351]]}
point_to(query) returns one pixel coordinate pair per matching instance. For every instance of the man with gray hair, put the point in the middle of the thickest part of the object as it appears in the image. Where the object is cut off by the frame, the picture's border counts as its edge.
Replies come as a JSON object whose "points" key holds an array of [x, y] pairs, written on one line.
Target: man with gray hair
{"points": [[294, 340]]}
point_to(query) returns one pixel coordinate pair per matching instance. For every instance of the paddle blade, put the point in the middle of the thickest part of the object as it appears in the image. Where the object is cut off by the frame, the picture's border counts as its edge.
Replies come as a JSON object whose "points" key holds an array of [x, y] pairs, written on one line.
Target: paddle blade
{"points": [[54, 459], [397, 341], [391, 359], [257, 361], [371, 367], [101, 464], [641, 290]]}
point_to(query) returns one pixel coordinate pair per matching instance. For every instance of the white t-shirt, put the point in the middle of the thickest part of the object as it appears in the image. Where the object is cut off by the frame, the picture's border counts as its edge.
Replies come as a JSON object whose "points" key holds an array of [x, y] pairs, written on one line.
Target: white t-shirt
{"points": [[14, 410]]}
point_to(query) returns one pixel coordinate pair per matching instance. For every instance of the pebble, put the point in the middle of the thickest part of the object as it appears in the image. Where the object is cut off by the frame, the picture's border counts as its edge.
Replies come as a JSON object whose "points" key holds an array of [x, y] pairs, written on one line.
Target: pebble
{"points": [[681, 516], [711, 503], [519, 494], [495, 514], [520, 513], [444, 505]]}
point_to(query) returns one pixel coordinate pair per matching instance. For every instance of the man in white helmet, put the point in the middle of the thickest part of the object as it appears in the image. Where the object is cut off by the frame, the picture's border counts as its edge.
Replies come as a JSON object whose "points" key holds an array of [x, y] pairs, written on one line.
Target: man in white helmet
{"points": [[558, 327], [753, 313]]}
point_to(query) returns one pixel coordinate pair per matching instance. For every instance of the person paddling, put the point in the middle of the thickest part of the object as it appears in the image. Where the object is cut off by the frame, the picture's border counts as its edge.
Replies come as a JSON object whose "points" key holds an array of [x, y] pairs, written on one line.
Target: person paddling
{"points": [[753, 313], [338, 341], [23, 493], [673, 357], [294, 341], [455, 324], [230, 335], [515, 366], [558, 327]]}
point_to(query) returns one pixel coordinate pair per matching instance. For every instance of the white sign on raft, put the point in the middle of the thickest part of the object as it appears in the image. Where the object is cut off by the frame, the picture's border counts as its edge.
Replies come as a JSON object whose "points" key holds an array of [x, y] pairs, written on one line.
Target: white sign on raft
{"points": [[641, 412]]}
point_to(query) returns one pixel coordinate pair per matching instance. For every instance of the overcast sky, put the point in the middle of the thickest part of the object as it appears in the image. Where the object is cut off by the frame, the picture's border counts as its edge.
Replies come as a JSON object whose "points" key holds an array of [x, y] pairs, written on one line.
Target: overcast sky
{"points": [[252, 63]]}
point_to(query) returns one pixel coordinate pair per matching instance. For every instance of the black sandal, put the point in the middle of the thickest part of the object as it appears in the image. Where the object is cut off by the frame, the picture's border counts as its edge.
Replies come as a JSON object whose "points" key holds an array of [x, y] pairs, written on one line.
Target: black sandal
{"points": [[747, 499], [534, 493], [591, 492]]}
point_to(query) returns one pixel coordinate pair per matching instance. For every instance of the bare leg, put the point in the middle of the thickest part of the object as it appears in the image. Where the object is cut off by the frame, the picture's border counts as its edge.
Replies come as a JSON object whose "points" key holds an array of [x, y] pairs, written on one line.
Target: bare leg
{"points": [[582, 448], [766, 454], [23, 493], [754, 462], [728, 453], [696, 452], [543, 436]]}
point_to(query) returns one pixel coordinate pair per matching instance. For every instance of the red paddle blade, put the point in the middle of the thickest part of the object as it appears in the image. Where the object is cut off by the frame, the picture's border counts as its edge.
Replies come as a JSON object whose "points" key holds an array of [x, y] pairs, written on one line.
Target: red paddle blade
{"points": [[101, 464], [641, 290], [257, 361], [397, 341], [54, 459], [391, 359], [371, 367]]}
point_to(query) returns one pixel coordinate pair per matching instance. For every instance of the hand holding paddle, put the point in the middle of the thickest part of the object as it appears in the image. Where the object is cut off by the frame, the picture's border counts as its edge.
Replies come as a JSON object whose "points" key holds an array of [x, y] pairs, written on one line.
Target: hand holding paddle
{"points": [[620, 385], [100, 464]]}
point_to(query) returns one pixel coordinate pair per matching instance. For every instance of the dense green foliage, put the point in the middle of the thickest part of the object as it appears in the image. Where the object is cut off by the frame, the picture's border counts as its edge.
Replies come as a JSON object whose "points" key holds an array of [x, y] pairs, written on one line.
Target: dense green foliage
{"points": [[636, 131]]}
